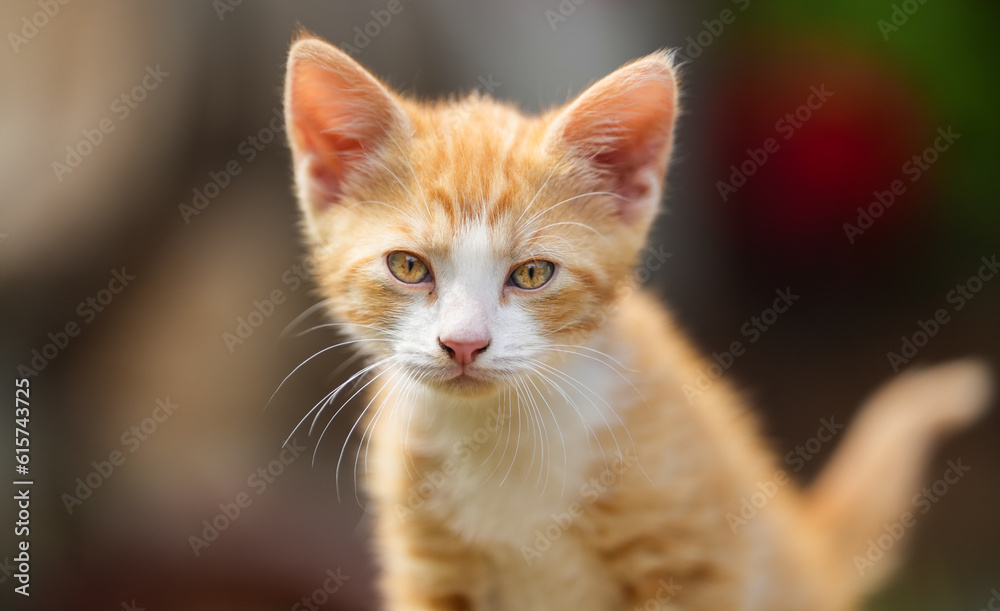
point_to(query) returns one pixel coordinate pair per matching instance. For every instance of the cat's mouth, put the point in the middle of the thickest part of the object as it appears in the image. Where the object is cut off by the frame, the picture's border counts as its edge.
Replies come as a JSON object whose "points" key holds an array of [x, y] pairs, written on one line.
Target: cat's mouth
{"points": [[464, 381]]}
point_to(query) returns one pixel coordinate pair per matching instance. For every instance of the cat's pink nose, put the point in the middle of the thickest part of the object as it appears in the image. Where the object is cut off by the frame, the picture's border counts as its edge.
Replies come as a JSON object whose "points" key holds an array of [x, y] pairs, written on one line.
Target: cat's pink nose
{"points": [[464, 353]]}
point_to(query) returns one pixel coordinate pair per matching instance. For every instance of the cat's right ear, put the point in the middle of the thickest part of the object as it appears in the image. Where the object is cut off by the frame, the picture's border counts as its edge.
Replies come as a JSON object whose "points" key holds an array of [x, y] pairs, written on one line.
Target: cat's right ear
{"points": [[338, 118]]}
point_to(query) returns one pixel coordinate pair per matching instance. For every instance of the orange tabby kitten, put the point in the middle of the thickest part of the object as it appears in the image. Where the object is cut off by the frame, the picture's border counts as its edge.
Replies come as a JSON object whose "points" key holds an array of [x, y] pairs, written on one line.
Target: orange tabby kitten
{"points": [[532, 445]]}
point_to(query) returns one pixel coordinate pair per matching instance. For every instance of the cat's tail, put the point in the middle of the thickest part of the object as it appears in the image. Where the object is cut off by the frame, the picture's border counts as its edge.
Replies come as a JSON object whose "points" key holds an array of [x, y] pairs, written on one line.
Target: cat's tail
{"points": [[867, 499]]}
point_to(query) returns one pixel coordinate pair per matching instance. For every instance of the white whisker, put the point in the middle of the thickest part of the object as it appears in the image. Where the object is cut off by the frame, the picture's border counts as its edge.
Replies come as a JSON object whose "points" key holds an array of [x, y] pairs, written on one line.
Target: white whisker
{"points": [[569, 199], [302, 316], [327, 349], [572, 223], [339, 409]]}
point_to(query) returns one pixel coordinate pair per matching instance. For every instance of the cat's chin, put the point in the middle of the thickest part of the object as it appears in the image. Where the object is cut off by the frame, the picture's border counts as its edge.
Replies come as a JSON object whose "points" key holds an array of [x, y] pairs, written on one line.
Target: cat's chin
{"points": [[464, 384]]}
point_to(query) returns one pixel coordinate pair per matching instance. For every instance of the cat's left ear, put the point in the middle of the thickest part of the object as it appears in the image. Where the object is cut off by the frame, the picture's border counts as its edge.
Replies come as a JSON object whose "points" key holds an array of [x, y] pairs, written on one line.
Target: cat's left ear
{"points": [[621, 130]]}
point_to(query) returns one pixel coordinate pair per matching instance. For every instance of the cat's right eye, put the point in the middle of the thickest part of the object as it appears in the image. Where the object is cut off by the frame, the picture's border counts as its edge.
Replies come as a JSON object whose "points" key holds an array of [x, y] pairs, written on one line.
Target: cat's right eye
{"points": [[407, 267]]}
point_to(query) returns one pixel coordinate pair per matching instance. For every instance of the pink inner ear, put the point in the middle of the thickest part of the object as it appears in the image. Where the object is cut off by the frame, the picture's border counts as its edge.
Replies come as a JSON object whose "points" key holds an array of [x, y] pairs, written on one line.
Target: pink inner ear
{"points": [[338, 114], [622, 125]]}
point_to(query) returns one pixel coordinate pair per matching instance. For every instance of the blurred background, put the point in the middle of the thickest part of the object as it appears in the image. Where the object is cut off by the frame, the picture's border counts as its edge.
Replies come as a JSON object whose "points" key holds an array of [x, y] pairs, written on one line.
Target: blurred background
{"points": [[149, 258]]}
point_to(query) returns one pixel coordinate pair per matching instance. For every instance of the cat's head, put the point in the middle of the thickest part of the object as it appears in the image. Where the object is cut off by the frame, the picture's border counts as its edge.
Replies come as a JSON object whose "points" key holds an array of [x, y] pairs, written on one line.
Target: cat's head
{"points": [[464, 240]]}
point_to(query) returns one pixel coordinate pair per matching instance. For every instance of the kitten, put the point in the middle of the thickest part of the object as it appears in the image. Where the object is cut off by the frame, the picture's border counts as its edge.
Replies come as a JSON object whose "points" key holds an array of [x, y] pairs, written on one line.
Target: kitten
{"points": [[532, 446]]}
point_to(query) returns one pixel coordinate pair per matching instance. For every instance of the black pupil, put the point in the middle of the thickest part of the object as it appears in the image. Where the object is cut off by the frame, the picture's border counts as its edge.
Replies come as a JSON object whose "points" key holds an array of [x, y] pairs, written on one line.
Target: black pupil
{"points": [[531, 271], [410, 263]]}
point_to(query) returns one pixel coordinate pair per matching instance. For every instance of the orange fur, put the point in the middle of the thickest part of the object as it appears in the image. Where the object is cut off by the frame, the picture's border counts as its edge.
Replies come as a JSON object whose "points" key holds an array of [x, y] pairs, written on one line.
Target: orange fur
{"points": [[629, 505]]}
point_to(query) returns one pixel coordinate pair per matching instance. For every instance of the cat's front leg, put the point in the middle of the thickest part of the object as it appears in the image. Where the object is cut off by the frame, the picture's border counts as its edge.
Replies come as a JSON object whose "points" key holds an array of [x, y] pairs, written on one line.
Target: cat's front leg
{"points": [[426, 567]]}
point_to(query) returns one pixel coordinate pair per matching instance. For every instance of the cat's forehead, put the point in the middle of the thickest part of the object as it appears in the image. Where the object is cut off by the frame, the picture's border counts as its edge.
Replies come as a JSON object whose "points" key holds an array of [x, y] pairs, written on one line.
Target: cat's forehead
{"points": [[477, 162]]}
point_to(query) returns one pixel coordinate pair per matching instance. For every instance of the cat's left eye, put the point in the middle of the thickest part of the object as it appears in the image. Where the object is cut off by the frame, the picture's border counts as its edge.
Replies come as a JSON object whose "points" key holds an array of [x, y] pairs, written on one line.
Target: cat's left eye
{"points": [[407, 267], [533, 274]]}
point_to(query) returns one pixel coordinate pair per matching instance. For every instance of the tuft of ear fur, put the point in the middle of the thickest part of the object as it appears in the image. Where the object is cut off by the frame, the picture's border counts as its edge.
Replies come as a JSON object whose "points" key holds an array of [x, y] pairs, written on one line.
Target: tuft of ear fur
{"points": [[622, 128], [338, 116]]}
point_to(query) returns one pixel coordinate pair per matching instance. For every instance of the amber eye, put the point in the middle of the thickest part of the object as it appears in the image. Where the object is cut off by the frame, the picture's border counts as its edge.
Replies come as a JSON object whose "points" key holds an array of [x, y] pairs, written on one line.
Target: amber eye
{"points": [[533, 274], [407, 267]]}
